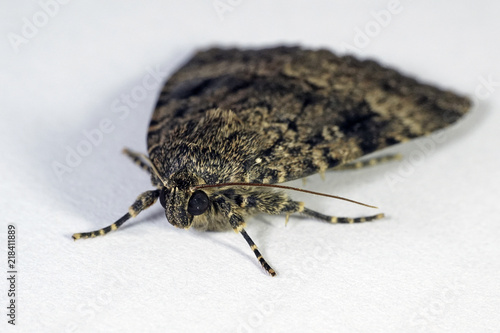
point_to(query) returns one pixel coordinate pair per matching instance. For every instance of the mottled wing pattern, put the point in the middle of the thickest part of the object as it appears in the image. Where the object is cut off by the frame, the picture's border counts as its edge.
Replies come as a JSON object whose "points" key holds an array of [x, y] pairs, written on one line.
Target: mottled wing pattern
{"points": [[315, 110]]}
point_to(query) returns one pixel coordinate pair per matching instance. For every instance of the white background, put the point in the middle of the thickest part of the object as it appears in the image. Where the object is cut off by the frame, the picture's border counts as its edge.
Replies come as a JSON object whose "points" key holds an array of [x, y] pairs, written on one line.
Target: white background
{"points": [[431, 265]]}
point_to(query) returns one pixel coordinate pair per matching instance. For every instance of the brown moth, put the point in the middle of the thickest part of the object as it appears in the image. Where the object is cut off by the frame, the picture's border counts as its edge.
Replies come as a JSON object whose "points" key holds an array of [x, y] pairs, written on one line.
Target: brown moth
{"points": [[231, 123]]}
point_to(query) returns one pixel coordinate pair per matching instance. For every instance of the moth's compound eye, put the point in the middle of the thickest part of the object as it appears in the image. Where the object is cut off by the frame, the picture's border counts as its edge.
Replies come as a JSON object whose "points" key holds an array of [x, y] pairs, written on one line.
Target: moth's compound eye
{"points": [[162, 197], [198, 203]]}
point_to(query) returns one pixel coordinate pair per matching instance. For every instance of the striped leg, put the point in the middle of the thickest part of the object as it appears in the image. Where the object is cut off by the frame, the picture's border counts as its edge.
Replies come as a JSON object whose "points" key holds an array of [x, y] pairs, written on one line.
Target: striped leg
{"points": [[288, 206], [255, 250], [138, 159], [369, 162], [145, 200], [298, 207], [335, 219], [238, 223]]}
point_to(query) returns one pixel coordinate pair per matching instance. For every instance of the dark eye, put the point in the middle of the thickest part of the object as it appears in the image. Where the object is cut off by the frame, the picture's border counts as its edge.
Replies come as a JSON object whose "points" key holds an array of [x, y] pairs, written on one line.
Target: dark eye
{"points": [[162, 198], [198, 203]]}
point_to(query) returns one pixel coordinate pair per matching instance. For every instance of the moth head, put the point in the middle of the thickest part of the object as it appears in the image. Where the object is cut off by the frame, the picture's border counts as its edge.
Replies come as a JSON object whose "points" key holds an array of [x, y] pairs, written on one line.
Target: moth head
{"points": [[181, 201]]}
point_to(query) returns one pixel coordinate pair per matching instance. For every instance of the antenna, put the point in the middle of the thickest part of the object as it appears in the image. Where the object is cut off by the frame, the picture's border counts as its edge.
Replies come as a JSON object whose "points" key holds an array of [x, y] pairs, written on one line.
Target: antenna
{"points": [[282, 187], [154, 169]]}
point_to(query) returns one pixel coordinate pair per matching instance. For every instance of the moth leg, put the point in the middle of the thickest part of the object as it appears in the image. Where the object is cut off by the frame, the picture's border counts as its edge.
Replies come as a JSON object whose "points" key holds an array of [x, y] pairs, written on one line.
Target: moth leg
{"points": [[237, 223], [259, 256], [143, 201], [369, 162], [137, 159], [288, 207], [337, 219]]}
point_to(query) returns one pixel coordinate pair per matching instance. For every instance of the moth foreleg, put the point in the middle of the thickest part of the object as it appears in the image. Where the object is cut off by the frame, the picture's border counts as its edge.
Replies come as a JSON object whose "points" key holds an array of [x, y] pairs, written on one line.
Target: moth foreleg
{"points": [[368, 163], [143, 201], [237, 224], [259, 256], [137, 159]]}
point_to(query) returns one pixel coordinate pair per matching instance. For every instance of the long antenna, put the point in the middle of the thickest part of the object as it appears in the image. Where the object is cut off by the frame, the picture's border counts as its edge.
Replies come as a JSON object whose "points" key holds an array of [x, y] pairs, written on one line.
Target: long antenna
{"points": [[154, 169], [285, 188]]}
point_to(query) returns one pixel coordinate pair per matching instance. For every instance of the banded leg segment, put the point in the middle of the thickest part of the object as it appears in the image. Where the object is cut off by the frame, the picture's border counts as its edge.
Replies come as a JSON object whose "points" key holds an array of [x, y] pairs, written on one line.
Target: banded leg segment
{"points": [[143, 201], [238, 223], [256, 251], [369, 162], [138, 159], [289, 207], [280, 203], [336, 219]]}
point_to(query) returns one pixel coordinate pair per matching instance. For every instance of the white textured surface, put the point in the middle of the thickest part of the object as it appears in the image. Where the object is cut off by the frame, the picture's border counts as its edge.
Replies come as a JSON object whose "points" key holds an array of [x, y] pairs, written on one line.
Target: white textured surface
{"points": [[433, 265]]}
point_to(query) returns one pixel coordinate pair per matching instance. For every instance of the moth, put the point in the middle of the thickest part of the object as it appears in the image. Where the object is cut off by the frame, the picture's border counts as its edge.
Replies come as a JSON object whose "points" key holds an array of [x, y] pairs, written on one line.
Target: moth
{"points": [[231, 124]]}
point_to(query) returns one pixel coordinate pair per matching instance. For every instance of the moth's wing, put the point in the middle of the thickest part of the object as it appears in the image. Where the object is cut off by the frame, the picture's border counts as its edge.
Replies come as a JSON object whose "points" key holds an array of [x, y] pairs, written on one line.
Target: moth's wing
{"points": [[312, 109]]}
